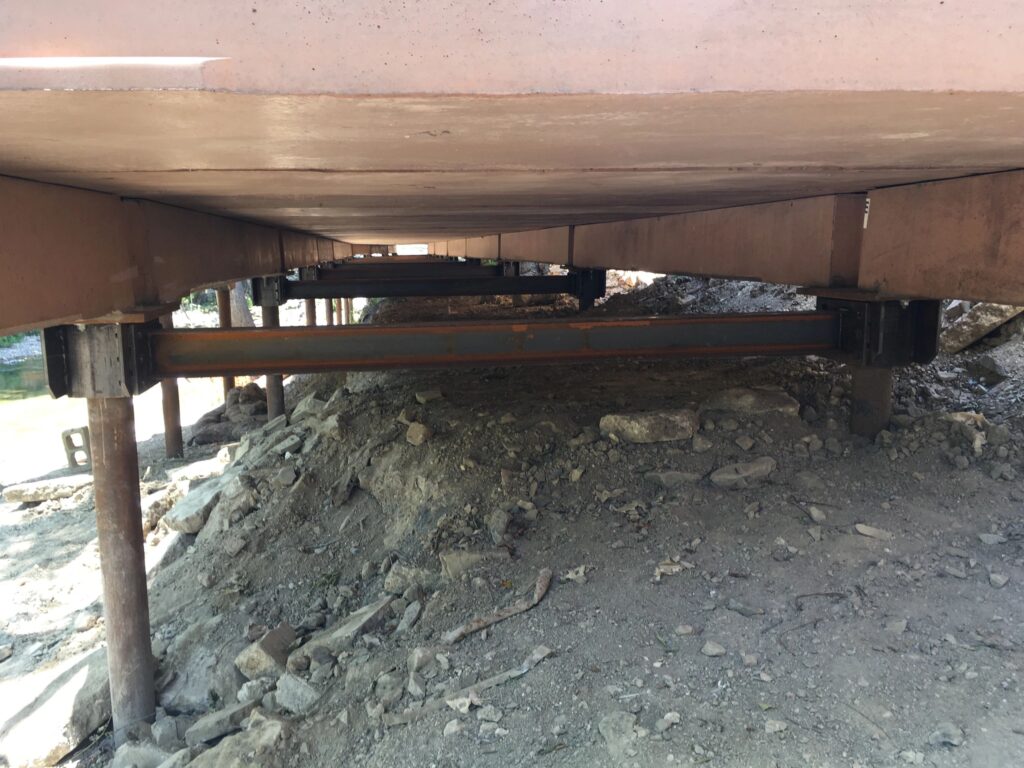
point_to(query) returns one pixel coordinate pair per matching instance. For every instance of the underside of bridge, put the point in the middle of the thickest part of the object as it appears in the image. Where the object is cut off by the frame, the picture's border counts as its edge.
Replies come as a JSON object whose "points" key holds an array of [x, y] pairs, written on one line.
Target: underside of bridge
{"points": [[867, 152]]}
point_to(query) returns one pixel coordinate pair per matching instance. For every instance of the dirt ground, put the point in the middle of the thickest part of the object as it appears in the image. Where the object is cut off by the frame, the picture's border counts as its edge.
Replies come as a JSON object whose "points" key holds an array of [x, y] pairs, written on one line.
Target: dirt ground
{"points": [[834, 601]]}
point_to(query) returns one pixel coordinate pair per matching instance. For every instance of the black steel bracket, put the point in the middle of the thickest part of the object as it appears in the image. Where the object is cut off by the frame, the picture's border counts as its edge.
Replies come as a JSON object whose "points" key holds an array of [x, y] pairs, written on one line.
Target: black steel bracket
{"points": [[105, 360], [885, 334], [269, 291]]}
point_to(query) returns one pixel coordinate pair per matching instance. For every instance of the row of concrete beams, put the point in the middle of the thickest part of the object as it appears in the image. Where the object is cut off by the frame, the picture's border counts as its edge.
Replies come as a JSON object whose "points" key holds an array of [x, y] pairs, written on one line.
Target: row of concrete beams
{"points": [[961, 238], [71, 255]]}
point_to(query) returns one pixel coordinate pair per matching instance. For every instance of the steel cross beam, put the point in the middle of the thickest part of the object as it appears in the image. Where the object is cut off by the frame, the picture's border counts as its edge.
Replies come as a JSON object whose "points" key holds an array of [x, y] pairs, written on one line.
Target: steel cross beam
{"points": [[587, 284], [306, 350]]}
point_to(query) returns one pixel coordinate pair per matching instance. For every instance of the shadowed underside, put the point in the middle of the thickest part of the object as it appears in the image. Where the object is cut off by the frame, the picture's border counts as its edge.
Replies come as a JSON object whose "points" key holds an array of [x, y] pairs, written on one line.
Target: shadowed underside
{"points": [[393, 122]]}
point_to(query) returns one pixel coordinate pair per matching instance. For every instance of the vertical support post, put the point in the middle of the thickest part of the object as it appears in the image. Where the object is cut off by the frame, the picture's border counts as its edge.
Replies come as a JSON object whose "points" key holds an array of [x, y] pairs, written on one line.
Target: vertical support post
{"points": [[275, 381], [329, 306], [346, 311], [224, 315], [870, 400], [310, 305], [122, 561], [339, 313], [174, 444]]}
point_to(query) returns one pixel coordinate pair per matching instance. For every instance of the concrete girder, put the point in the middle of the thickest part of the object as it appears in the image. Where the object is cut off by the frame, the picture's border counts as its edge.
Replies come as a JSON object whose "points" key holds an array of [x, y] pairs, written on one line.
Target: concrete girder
{"points": [[71, 255]]}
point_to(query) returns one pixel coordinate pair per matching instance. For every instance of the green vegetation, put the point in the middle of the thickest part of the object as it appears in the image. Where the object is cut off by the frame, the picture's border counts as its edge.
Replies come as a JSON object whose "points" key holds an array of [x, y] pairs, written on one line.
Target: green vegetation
{"points": [[10, 341]]}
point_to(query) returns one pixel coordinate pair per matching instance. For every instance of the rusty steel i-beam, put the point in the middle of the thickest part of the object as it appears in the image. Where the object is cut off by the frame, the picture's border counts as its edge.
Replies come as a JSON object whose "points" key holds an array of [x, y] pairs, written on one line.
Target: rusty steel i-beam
{"points": [[355, 347]]}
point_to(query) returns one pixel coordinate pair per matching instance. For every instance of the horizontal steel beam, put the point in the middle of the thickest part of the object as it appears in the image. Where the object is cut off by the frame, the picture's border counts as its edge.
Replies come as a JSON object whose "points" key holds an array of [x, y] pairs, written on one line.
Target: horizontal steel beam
{"points": [[443, 286], [307, 350], [408, 270]]}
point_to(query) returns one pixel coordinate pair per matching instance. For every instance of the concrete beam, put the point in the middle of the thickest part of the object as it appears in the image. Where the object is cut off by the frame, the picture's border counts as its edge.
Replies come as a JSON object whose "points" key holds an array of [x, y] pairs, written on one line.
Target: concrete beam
{"points": [[962, 238], [71, 255]]}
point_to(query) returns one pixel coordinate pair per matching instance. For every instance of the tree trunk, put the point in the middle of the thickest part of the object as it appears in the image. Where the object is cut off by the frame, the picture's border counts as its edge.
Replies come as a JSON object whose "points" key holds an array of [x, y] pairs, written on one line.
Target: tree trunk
{"points": [[241, 317]]}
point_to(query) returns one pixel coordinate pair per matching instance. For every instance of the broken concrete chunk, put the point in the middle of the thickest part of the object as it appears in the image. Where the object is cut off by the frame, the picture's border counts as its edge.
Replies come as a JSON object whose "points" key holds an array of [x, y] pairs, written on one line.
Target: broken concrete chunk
{"points": [[342, 635], [189, 514], [428, 395], [219, 723], [46, 490], [744, 474], [402, 577], [268, 656], [751, 402], [139, 755], [980, 320], [296, 695], [309, 407], [456, 562], [873, 533], [651, 427], [290, 444], [619, 732]]}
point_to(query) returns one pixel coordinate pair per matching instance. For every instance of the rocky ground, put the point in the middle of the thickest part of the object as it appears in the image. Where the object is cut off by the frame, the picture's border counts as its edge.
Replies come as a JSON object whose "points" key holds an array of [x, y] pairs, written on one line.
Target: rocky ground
{"points": [[637, 564]]}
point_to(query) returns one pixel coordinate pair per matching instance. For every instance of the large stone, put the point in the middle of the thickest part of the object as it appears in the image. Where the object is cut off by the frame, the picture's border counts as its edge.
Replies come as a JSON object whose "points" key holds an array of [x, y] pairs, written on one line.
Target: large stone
{"points": [[402, 577], [456, 562], [249, 748], [216, 724], [296, 695], [343, 634], [751, 402], [977, 322], [190, 513], [651, 427], [268, 656], [46, 490], [179, 759], [619, 732], [744, 474], [236, 500], [141, 755], [309, 407]]}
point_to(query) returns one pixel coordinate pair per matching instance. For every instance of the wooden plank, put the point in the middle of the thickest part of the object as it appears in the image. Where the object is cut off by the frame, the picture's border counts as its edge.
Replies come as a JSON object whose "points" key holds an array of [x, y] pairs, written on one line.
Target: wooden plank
{"points": [[962, 239]]}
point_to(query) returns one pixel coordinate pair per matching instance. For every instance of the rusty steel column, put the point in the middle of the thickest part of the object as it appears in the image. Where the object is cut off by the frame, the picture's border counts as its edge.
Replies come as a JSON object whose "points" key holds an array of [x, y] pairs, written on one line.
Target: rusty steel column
{"points": [[275, 381], [122, 562], [174, 444], [310, 311], [329, 305], [224, 314], [870, 400]]}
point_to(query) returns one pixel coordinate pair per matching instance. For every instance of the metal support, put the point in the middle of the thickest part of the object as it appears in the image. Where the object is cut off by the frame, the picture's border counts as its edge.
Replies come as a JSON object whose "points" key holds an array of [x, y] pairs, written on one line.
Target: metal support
{"points": [[122, 561], [369, 347], [346, 311], [224, 316], [310, 307], [275, 382], [329, 309], [174, 444], [875, 337], [870, 400], [339, 311]]}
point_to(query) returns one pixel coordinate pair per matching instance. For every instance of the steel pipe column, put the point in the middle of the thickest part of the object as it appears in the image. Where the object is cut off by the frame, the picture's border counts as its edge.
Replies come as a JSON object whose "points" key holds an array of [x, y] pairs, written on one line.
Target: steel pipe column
{"points": [[224, 315], [174, 444], [329, 308], [870, 400], [275, 381], [122, 561], [310, 306]]}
